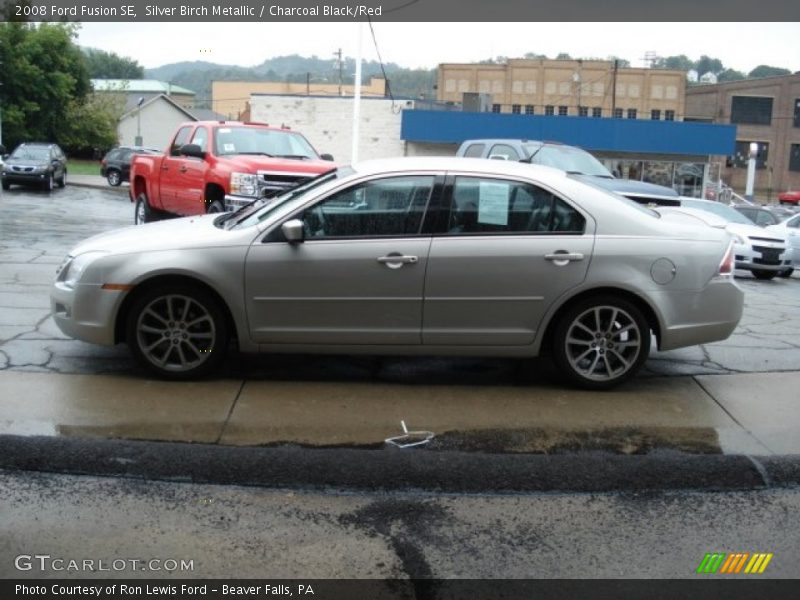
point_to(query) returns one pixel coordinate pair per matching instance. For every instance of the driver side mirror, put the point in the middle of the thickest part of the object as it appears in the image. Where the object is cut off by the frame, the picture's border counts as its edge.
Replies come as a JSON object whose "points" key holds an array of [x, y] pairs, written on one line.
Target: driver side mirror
{"points": [[293, 231], [192, 150], [326, 156]]}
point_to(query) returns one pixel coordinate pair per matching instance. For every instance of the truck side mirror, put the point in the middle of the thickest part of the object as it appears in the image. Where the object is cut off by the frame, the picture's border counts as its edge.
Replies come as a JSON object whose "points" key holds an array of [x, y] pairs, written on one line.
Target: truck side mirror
{"points": [[192, 150], [326, 156]]}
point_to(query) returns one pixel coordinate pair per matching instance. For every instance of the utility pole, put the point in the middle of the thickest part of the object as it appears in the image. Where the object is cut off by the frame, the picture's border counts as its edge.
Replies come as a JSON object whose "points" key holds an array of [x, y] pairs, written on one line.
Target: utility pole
{"points": [[338, 56], [614, 88]]}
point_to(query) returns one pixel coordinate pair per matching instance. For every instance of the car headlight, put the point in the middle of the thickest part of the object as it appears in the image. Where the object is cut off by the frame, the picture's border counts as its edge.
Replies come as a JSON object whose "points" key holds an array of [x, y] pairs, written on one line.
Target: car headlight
{"points": [[71, 273], [244, 184], [737, 239]]}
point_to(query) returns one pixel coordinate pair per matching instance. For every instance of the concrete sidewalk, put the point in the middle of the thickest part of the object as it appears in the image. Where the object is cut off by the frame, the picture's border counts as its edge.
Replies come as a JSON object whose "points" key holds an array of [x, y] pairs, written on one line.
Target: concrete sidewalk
{"points": [[753, 414], [95, 181]]}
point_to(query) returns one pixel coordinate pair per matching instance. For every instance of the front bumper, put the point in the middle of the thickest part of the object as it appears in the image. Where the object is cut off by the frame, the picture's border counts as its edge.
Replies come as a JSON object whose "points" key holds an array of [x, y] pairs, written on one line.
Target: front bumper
{"points": [[763, 256], [86, 312], [236, 202], [26, 178]]}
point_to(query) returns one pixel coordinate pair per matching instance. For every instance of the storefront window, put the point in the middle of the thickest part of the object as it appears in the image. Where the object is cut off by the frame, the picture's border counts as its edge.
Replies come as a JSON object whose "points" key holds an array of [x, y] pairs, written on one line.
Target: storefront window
{"points": [[658, 172]]}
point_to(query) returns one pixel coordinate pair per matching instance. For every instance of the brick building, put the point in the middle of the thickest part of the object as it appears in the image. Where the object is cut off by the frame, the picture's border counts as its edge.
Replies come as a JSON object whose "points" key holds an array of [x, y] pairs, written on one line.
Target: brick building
{"points": [[765, 111]]}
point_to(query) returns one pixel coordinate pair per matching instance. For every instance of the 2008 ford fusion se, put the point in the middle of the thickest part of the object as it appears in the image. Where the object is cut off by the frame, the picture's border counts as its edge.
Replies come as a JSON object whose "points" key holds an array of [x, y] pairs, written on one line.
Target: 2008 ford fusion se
{"points": [[425, 256]]}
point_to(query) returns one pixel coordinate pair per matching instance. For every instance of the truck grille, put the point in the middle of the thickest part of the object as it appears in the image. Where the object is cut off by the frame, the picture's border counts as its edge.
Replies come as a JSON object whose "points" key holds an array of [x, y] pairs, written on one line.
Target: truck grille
{"points": [[271, 183]]}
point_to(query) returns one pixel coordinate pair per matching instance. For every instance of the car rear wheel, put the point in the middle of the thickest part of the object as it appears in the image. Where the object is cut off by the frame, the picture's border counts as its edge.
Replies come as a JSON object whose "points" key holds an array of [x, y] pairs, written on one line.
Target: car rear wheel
{"points": [[601, 341], [763, 275], [113, 177], [142, 213], [178, 331]]}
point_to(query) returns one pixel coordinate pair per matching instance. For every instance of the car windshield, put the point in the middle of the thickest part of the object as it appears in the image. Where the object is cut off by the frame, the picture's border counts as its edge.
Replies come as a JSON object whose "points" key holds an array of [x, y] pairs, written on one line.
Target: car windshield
{"points": [[32, 153], [293, 197], [262, 141], [721, 210], [567, 158]]}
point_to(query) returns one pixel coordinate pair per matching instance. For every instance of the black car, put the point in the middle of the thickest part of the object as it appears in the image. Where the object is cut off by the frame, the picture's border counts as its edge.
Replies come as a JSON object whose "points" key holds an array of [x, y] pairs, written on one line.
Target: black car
{"points": [[758, 215], [116, 164], [36, 164]]}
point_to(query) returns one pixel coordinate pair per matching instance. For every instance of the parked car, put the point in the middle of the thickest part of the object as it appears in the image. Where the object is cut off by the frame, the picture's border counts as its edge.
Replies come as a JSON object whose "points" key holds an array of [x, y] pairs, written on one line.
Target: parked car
{"points": [[116, 164], [35, 164], [790, 229], [789, 197], [571, 159], [764, 253], [213, 166], [429, 256], [758, 215]]}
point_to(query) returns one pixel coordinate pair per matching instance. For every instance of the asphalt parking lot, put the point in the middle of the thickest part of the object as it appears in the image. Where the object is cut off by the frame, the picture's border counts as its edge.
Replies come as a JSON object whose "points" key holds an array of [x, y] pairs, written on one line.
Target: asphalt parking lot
{"points": [[736, 396]]}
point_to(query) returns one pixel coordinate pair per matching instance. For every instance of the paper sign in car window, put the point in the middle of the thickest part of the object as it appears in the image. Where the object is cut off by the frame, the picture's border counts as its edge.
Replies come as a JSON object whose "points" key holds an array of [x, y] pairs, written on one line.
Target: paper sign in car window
{"points": [[493, 203], [228, 147]]}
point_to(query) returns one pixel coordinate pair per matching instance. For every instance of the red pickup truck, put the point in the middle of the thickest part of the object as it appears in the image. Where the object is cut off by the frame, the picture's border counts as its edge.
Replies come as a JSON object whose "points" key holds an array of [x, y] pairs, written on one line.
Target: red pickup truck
{"points": [[213, 166]]}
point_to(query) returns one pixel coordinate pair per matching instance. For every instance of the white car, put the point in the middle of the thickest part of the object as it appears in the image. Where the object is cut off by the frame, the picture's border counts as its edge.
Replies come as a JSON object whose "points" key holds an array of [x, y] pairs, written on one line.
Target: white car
{"points": [[764, 253], [790, 229]]}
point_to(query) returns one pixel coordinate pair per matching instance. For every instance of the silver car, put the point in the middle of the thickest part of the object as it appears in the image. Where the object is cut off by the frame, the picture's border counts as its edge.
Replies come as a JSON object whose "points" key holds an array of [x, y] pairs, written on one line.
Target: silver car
{"points": [[427, 256]]}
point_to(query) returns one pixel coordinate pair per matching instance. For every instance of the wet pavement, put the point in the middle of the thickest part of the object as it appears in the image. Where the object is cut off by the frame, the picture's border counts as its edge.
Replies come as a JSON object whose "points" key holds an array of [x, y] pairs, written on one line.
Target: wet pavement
{"points": [[736, 396]]}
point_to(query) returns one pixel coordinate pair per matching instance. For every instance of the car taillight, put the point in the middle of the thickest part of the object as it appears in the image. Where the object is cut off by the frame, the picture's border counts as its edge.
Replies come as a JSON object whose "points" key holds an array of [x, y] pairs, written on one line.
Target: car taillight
{"points": [[727, 264]]}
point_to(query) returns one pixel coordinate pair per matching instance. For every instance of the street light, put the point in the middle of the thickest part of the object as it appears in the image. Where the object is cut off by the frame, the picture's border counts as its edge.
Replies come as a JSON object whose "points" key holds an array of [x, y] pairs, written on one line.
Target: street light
{"points": [[751, 172], [138, 141]]}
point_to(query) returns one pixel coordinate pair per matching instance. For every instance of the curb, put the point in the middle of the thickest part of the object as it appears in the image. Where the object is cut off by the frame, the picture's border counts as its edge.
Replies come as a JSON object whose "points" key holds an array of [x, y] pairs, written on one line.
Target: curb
{"points": [[391, 469]]}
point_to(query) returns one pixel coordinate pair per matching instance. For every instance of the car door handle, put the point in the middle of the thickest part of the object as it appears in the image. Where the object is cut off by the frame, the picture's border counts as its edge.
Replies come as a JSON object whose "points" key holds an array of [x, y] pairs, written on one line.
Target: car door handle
{"points": [[395, 261], [562, 258], [183, 169], [164, 168]]}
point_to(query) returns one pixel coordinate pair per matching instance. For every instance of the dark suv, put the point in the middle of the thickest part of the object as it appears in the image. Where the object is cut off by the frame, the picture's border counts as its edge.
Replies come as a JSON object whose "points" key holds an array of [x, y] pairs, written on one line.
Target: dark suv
{"points": [[41, 165], [116, 165]]}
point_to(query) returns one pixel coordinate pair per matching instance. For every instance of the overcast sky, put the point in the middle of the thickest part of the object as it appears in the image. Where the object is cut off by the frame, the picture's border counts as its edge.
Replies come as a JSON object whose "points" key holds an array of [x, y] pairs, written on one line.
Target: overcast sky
{"points": [[741, 46]]}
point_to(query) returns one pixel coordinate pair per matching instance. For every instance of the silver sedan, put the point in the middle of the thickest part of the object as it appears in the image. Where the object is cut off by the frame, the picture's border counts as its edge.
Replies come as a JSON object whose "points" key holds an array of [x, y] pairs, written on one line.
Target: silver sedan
{"points": [[428, 256]]}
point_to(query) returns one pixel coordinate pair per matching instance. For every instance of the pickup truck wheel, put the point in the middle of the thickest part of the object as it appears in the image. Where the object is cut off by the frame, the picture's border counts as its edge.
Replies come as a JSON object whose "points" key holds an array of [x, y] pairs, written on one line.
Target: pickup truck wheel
{"points": [[763, 275], [178, 331], [142, 213], [215, 207], [113, 178]]}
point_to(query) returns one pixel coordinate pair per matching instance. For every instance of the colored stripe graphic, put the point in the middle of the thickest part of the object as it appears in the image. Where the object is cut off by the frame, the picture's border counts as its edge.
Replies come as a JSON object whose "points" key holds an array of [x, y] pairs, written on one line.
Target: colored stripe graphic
{"points": [[733, 563]]}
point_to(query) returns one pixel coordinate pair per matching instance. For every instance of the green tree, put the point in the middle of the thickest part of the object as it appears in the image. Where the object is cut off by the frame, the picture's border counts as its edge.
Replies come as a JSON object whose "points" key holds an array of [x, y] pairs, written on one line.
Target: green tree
{"points": [[109, 65], [681, 62], [730, 75], [706, 64], [44, 75], [767, 71]]}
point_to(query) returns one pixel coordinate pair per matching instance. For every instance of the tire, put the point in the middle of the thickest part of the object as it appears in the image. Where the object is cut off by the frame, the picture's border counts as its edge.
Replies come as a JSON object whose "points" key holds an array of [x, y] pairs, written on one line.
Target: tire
{"points": [[6, 185], [62, 181], [178, 331], [114, 178], [601, 341], [50, 183], [142, 213], [215, 207], [786, 273], [763, 275]]}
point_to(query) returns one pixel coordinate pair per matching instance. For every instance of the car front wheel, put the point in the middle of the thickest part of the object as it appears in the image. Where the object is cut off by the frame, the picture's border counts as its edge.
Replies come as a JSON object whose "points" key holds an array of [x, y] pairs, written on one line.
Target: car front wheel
{"points": [[50, 183], [178, 331], [215, 207], [601, 341], [142, 213]]}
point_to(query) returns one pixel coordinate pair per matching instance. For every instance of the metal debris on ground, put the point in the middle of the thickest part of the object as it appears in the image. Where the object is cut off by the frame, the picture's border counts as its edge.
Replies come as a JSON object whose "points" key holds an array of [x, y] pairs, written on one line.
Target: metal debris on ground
{"points": [[409, 439]]}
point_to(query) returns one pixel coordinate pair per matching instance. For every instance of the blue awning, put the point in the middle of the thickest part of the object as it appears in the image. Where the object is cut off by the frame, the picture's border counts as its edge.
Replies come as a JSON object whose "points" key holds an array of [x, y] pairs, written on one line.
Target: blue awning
{"points": [[603, 134]]}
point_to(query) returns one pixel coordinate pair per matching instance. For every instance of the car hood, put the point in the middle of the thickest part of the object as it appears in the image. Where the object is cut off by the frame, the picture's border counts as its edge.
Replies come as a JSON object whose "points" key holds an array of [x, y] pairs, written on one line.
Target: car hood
{"points": [[682, 214], [265, 163], [627, 186], [754, 231], [27, 162], [172, 234]]}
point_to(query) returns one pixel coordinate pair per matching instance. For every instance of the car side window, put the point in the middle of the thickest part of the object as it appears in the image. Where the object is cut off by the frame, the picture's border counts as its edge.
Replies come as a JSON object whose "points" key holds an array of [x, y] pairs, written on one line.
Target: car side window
{"points": [[794, 222], [474, 151], [504, 152], [764, 218], [497, 206], [392, 206], [180, 139], [201, 138]]}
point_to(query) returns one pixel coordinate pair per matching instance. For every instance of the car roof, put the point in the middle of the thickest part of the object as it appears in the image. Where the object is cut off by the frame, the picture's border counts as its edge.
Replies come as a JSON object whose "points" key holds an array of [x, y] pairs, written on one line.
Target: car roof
{"points": [[458, 164]]}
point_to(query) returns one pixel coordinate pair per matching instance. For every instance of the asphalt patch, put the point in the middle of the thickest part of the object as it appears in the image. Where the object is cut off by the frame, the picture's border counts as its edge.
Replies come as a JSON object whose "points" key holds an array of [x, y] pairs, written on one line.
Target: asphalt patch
{"points": [[393, 469]]}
